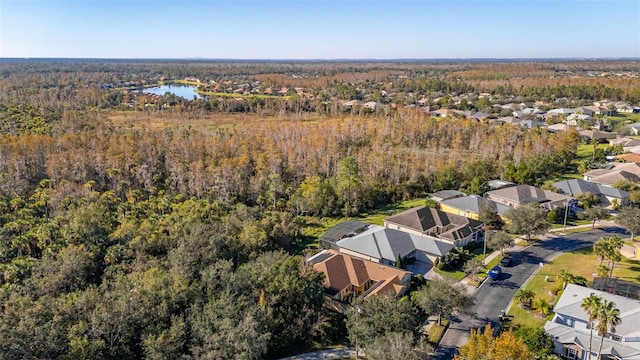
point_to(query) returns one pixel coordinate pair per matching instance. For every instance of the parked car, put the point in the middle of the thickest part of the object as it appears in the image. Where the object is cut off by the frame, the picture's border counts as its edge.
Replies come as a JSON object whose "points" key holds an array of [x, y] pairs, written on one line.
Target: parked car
{"points": [[506, 261], [494, 273]]}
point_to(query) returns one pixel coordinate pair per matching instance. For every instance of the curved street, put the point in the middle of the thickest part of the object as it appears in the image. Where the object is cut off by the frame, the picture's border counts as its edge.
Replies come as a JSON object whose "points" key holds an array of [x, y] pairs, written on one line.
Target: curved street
{"points": [[492, 297]]}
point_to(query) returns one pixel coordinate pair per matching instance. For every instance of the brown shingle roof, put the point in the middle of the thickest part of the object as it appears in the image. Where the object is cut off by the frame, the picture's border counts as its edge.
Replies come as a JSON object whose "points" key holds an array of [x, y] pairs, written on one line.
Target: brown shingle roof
{"points": [[427, 220], [343, 270], [631, 157]]}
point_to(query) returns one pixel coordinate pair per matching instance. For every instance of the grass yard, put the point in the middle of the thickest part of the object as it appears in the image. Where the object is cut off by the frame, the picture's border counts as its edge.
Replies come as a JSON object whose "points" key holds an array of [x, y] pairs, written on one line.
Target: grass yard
{"points": [[377, 217], [318, 226], [585, 151], [436, 332], [580, 263]]}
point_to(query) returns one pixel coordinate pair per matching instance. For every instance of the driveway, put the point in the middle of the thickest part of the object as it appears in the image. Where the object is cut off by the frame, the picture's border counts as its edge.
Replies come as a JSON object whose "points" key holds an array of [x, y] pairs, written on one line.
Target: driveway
{"points": [[420, 267], [494, 296]]}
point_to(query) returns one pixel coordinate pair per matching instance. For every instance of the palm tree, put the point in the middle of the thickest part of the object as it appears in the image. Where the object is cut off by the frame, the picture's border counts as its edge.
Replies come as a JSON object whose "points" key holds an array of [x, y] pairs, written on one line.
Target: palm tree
{"points": [[591, 305], [566, 277], [524, 297], [608, 318], [542, 306]]}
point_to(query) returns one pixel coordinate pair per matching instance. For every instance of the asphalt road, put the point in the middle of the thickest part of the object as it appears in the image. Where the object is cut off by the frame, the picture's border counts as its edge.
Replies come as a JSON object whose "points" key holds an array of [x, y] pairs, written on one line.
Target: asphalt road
{"points": [[493, 296]]}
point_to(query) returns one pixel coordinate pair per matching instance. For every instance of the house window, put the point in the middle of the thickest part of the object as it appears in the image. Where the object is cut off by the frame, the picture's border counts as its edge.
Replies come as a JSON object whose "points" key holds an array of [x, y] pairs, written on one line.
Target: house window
{"points": [[572, 353], [632, 339], [570, 322], [615, 337]]}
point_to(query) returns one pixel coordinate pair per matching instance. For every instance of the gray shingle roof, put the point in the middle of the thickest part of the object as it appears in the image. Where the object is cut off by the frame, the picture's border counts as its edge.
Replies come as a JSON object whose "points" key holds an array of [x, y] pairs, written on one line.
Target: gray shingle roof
{"points": [[577, 186], [524, 194], [569, 304], [571, 299], [383, 243]]}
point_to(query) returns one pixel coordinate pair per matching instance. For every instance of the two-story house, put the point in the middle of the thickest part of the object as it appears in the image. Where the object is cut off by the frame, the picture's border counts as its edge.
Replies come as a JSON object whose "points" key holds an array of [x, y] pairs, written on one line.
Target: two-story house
{"points": [[570, 330]]}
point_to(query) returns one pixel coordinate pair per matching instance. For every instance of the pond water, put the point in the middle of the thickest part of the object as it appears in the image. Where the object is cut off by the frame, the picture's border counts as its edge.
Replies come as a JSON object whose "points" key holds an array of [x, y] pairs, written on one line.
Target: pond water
{"points": [[185, 91]]}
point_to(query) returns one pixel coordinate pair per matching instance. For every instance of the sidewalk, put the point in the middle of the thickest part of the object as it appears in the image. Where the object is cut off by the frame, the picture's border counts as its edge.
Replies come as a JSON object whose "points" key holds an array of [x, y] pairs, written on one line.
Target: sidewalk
{"points": [[467, 279]]}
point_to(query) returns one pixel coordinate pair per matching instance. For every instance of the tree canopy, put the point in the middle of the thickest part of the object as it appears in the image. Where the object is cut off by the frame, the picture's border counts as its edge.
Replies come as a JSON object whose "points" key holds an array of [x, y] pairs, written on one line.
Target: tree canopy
{"points": [[527, 219]]}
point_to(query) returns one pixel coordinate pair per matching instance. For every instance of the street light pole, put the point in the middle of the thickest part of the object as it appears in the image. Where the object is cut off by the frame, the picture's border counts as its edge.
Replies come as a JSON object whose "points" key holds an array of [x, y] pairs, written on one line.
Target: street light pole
{"points": [[566, 212], [484, 251]]}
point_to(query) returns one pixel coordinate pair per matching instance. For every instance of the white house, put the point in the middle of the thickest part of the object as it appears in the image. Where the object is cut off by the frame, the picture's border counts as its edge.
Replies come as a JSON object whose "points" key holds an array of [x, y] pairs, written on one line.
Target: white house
{"points": [[570, 331]]}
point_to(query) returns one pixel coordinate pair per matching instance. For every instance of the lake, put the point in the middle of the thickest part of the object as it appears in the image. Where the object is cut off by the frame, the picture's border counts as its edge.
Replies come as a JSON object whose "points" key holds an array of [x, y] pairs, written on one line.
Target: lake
{"points": [[185, 91]]}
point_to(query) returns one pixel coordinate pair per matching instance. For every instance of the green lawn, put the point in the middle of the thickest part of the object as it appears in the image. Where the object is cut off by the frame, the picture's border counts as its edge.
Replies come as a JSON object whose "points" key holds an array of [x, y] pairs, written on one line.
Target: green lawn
{"points": [[317, 226], [436, 332], [455, 275], [377, 216], [580, 263], [585, 151]]}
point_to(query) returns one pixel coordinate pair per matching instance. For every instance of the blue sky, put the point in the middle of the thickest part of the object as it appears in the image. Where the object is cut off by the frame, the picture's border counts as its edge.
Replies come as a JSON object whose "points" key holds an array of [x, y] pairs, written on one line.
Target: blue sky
{"points": [[320, 29]]}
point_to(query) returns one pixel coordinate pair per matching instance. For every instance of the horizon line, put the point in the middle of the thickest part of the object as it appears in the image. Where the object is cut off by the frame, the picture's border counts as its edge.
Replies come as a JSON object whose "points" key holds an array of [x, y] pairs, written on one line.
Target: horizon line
{"points": [[582, 58]]}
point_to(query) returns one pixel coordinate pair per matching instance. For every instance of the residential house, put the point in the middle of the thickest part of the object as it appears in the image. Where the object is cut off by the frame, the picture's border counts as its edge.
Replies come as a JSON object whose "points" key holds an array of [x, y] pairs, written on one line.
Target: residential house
{"points": [[607, 195], [635, 128], [597, 135], [584, 110], [576, 119], [469, 206], [533, 124], [283, 91], [383, 245], [347, 277], [613, 173], [372, 105], [570, 328], [631, 157], [351, 103], [622, 106], [625, 141], [525, 194], [602, 103], [561, 111], [508, 120], [478, 116], [450, 228], [443, 113], [555, 128], [446, 195]]}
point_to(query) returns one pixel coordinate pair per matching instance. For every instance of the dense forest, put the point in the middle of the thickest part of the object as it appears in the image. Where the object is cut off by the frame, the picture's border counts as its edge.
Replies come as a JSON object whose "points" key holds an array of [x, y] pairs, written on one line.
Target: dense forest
{"points": [[128, 242]]}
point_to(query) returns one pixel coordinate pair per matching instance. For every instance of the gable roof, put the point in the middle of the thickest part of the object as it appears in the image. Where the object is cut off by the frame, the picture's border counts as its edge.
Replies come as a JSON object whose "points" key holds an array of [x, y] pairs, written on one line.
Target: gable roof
{"points": [[625, 141], [617, 172], [342, 270], [631, 157], [592, 134], [569, 304], [436, 223], [525, 194], [380, 242], [574, 187]]}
